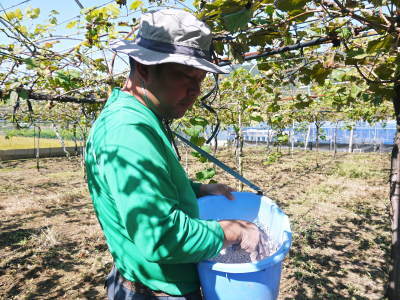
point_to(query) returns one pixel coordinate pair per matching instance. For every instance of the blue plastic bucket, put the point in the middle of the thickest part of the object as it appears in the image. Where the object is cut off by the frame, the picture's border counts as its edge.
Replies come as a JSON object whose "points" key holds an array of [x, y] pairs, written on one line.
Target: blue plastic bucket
{"points": [[255, 281]]}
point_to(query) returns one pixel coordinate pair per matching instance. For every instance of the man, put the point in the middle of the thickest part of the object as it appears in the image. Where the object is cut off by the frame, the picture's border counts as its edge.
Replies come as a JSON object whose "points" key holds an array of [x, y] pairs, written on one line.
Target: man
{"points": [[143, 199]]}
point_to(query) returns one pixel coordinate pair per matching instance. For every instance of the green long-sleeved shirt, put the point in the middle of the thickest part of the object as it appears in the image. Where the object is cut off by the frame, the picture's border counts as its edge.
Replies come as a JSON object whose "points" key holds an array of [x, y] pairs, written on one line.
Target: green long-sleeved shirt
{"points": [[144, 201]]}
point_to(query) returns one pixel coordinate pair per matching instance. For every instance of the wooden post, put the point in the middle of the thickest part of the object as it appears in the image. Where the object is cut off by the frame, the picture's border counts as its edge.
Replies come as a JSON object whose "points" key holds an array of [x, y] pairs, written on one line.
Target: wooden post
{"points": [[375, 141], [393, 291], [351, 138], [307, 137], [292, 138], [335, 139]]}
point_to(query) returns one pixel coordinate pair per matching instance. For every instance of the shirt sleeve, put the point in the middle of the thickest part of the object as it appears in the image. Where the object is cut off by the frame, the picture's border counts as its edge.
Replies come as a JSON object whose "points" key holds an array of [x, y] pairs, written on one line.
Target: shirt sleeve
{"points": [[136, 171]]}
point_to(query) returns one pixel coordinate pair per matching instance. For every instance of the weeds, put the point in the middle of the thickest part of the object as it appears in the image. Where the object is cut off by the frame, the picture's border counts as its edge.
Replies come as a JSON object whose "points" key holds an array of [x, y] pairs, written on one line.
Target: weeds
{"points": [[47, 238], [272, 157]]}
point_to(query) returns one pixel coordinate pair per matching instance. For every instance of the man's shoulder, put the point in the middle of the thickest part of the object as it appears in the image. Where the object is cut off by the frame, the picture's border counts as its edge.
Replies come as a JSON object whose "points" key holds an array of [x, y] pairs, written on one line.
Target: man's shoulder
{"points": [[127, 110]]}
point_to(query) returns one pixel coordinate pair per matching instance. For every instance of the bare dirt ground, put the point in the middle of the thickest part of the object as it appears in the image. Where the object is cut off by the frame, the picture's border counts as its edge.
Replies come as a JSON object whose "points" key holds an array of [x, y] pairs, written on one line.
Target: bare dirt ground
{"points": [[51, 246]]}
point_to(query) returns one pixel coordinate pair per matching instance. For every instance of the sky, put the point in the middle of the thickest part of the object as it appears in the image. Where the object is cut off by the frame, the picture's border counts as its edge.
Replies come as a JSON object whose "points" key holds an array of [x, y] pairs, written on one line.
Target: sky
{"points": [[69, 11]]}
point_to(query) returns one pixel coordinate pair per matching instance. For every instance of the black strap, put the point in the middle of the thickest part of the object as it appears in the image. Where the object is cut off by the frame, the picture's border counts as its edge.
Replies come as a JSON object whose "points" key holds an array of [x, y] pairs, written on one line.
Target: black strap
{"points": [[220, 164]]}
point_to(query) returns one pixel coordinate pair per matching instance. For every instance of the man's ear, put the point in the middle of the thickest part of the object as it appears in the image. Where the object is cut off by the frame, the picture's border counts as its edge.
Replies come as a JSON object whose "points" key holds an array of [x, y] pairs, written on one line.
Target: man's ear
{"points": [[142, 71]]}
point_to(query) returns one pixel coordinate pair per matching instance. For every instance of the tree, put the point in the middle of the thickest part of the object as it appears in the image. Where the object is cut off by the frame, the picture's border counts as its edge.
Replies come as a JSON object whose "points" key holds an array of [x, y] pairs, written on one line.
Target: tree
{"points": [[362, 35]]}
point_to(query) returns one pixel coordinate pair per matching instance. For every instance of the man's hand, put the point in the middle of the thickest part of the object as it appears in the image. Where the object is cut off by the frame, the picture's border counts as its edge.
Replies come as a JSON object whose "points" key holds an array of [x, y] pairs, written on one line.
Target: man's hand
{"points": [[216, 189], [242, 233]]}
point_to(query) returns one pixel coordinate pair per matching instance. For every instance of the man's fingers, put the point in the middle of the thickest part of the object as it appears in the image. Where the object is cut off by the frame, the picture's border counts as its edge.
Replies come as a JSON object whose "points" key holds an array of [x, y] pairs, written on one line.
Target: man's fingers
{"points": [[254, 256], [229, 195], [227, 192]]}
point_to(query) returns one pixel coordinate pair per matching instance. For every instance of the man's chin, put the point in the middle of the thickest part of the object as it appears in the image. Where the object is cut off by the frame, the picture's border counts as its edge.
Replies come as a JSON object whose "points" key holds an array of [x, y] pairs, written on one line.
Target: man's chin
{"points": [[174, 115], [178, 116]]}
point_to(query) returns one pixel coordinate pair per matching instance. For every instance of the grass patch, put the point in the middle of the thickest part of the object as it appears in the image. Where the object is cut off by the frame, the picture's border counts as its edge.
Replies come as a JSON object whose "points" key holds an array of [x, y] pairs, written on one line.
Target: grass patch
{"points": [[44, 133], [18, 142], [358, 166]]}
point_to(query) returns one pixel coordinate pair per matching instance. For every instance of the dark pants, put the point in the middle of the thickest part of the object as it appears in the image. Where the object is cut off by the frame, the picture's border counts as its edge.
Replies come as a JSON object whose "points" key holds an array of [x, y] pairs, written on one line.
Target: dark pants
{"points": [[116, 291]]}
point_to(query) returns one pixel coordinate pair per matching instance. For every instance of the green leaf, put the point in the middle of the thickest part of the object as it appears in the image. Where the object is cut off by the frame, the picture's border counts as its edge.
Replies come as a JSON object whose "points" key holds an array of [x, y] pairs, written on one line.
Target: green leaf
{"points": [[384, 71], [113, 9], [379, 90], [32, 13], [289, 5], [205, 174], [71, 24], [36, 13], [16, 14], [200, 157], [53, 20], [30, 63], [219, 47], [237, 20], [380, 45], [23, 94], [197, 140], [256, 118], [319, 73], [344, 32], [135, 5], [273, 107], [194, 130], [200, 121], [269, 9]]}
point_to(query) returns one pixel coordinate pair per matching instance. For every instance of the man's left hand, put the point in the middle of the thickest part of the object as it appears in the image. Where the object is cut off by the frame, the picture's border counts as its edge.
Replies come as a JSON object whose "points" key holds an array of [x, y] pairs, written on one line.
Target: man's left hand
{"points": [[216, 189]]}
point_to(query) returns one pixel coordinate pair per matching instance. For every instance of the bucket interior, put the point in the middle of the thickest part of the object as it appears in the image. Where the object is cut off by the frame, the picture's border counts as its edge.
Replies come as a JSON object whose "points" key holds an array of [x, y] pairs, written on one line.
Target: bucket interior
{"points": [[253, 208]]}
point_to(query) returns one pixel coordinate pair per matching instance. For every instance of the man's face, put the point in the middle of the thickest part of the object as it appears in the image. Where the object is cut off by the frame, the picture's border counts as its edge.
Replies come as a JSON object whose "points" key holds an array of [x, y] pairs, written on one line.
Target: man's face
{"points": [[176, 87]]}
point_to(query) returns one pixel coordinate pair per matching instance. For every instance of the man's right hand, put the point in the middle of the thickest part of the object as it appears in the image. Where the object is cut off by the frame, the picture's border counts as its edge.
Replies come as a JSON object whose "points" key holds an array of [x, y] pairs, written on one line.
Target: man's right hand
{"points": [[243, 233]]}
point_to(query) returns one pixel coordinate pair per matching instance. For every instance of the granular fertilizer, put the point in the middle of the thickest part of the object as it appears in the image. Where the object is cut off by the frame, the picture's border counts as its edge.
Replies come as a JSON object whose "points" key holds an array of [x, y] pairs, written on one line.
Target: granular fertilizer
{"points": [[235, 255]]}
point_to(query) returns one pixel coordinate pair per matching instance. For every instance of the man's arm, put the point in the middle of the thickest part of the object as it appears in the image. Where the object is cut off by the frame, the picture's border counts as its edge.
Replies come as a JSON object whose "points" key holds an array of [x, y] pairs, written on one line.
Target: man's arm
{"points": [[140, 184]]}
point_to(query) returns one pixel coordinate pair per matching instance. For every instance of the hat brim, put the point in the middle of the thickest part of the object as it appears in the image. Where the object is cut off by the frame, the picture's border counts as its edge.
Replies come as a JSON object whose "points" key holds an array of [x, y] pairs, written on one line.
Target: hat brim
{"points": [[151, 57]]}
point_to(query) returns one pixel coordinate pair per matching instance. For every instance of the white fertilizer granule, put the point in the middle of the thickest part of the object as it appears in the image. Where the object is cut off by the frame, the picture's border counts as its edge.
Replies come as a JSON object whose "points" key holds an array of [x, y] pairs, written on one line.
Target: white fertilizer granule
{"points": [[235, 255]]}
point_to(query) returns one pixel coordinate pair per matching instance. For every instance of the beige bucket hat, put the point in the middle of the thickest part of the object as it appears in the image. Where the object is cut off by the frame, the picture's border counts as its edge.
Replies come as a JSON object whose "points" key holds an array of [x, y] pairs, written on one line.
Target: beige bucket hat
{"points": [[171, 36]]}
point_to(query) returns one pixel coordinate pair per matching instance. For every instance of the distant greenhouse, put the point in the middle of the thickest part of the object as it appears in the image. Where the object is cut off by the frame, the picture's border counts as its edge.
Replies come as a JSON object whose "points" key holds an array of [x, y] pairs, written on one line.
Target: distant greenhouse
{"points": [[363, 136]]}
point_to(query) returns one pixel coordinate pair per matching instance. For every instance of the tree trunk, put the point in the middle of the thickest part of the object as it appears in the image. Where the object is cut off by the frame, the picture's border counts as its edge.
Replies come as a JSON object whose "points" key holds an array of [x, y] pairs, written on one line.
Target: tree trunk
{"points": [[240, 160], [317, 128], [240, 147], [75, 139], [292, 139], [215, 145], [393, 291], [61, 139], [37, 147]]}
